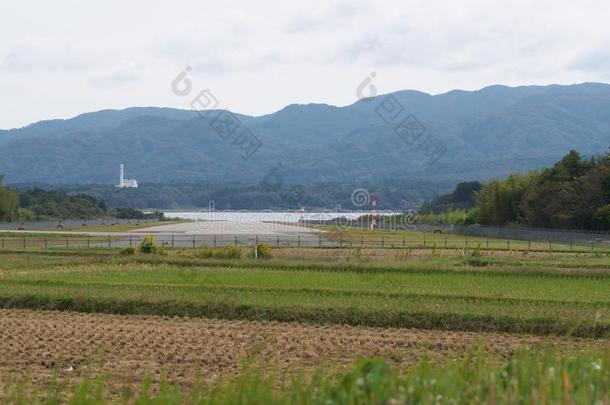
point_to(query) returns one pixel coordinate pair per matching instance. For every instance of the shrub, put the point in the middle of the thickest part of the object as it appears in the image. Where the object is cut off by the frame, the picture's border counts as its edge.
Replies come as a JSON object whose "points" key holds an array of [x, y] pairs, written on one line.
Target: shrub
{"points": [[148, 245], [475, 258], [262, 251], [128, 251], [225, 252], [472, 217]]}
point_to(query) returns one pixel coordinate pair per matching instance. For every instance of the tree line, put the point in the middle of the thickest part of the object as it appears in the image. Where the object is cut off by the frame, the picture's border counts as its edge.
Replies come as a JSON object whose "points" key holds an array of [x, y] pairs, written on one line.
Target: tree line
{"points": [[37, 204], [574, 194], [272, 194]]}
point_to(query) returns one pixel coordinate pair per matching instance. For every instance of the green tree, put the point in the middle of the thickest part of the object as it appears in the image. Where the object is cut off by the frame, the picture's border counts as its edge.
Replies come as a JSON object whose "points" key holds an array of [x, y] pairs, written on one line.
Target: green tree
{"points": [[9, 202], [499, 201], [570, 194]]}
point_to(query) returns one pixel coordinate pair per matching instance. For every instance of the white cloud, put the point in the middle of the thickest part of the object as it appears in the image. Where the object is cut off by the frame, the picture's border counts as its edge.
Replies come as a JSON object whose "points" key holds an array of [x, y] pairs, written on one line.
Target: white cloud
{"points": [[44, 56], [120, 76], [596, 61]]}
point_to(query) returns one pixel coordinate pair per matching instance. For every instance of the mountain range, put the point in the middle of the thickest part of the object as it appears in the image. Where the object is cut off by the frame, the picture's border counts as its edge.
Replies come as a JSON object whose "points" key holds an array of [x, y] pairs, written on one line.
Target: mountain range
{"points": [[480, 134]]}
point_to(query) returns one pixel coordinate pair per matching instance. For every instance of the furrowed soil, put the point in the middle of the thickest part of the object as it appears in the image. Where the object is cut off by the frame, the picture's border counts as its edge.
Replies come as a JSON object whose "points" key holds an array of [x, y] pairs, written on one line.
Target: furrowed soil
{"points": [[127, 348]]}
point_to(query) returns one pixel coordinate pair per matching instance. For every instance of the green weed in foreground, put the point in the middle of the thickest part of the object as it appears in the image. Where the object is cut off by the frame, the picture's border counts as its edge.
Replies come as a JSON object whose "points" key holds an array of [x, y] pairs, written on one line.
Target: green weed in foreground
{"points": [[225, 252], [539, 376], [149, 246]]}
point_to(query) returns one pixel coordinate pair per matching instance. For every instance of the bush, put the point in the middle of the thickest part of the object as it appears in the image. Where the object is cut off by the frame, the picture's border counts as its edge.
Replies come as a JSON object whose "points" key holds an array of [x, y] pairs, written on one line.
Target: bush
{"points": [[472, 217], [225, 252], [148, 245], [262, 251], [475, 259], [128, 251]]}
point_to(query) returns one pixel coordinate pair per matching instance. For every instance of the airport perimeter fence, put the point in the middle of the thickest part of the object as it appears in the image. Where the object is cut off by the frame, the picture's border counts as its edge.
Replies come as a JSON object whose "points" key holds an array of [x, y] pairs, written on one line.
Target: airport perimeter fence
{"points": [[396, 240], [575, 236]]}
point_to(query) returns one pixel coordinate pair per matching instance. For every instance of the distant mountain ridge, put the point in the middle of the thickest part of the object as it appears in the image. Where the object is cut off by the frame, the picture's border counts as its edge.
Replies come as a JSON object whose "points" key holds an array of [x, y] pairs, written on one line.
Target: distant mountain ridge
{"points": [[486, 133]]}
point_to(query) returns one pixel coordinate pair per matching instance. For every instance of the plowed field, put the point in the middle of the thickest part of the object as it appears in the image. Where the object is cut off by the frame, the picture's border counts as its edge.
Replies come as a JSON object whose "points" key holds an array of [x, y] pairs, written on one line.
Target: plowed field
{"points": [[126, 348]]}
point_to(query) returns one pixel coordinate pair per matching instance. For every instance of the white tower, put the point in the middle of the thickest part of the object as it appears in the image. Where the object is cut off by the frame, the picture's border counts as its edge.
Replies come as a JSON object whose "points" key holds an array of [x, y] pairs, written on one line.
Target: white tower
{"points": [[121, 176], [123, 182]]}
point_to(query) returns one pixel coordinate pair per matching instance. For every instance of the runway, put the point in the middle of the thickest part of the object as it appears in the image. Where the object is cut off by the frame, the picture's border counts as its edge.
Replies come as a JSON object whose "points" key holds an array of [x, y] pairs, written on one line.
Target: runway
{"points": [[228, 228]]}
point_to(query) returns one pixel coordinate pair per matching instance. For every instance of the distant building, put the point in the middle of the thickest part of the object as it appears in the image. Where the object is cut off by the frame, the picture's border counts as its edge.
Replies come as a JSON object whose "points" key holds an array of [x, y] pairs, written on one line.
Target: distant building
{"points": [[125, 183]]}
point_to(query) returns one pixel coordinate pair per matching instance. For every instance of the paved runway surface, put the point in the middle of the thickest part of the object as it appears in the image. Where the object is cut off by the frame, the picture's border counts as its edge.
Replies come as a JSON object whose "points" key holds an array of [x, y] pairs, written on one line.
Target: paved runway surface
{"points": [[198, 228], [227, 228]]}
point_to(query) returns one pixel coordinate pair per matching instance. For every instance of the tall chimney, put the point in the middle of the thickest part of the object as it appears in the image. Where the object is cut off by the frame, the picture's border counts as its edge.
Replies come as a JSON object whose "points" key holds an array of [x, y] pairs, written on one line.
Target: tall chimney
{"points": [[121, 182]]}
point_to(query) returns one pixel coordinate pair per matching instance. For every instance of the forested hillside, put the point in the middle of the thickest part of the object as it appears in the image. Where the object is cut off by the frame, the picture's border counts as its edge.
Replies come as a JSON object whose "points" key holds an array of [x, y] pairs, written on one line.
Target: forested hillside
{"points": [[480, 134]]}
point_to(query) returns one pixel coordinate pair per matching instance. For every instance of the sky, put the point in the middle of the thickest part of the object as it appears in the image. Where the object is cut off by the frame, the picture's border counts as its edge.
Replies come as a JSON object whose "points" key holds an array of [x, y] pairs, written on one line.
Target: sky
{"points": [[62, 58]]}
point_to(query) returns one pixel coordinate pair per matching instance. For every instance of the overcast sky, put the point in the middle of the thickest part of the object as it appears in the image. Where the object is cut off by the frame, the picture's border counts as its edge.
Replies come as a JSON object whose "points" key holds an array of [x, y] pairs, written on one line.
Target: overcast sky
{"points": [[62, 58]]}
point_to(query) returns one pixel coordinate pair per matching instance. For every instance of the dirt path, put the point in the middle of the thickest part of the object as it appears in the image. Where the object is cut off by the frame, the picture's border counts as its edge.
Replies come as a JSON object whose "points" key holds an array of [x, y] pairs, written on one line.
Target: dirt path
{"points": [[36, 342]]}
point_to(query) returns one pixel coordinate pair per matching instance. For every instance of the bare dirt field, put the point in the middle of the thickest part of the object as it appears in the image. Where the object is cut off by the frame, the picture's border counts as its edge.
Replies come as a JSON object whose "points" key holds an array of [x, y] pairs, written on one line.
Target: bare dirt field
{"points": [[126, 348]]}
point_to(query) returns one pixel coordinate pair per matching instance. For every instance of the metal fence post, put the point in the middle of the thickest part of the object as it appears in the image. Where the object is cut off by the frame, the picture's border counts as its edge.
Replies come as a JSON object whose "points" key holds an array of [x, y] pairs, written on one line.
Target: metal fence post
{"points": [[108, 241], [277, 241], [193, 240], [130, 242], [487, 243], [508, 244], [361, 240], [445, 241], [424, 240], [319, 240], [382, 242], [46, 244], [88, 242], [214, 240], [24, 241], [529, 245], [299, 239], [67, 243], [2, 237], [172, 241], [340, 240], [403, 241]]}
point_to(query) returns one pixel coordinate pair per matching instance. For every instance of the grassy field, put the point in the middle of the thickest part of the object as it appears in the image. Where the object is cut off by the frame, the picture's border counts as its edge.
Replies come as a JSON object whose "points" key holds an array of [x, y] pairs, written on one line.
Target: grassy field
{"points": [[507, 294], [449, 293]]}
